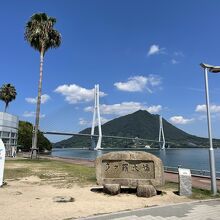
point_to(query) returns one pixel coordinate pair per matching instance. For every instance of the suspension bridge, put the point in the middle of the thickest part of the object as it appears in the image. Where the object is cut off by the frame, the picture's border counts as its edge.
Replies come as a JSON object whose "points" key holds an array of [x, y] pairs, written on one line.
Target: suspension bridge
{"points": [[97, 139]]}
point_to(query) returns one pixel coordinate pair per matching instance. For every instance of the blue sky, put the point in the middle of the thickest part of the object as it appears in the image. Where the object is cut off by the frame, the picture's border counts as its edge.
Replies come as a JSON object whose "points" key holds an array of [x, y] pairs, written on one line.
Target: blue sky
{"points": [[144, 55]]}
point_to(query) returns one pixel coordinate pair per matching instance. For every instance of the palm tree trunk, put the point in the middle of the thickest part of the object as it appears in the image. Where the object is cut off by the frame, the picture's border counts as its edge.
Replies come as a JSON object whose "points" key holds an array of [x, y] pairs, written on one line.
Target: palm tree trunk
{"points": [[37, 118], [6, 106]]}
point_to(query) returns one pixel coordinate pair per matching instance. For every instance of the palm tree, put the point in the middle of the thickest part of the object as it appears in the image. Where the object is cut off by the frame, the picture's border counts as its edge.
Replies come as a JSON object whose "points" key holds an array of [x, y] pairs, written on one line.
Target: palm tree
{"points": [[41, 35], [7, 94]]}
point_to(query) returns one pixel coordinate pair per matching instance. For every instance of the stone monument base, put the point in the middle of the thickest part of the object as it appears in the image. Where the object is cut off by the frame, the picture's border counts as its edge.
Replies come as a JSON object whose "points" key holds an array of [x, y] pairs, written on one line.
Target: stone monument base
{"points": [[112, 189], [142, 190], [146, 191]]}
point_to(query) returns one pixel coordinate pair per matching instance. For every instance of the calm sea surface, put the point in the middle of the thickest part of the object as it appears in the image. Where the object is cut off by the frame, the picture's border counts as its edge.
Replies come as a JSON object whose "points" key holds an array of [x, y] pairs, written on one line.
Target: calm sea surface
{"points": [[187, 158]]}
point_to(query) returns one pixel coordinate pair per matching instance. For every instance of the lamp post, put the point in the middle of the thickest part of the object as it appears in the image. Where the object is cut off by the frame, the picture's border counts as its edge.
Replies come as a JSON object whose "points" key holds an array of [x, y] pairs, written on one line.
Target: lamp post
{"points": [[213, 69]]}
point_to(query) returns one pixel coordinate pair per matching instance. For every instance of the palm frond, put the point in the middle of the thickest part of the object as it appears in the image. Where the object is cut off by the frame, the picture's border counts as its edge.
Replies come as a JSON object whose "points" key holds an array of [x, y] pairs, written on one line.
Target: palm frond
{"points": [[40, 34], [7, 93]]}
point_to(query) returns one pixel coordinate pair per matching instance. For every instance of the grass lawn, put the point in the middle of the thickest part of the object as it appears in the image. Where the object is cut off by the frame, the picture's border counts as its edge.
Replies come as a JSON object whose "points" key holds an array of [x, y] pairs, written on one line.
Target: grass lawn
{"points": [[197, 194], [47, 170]]}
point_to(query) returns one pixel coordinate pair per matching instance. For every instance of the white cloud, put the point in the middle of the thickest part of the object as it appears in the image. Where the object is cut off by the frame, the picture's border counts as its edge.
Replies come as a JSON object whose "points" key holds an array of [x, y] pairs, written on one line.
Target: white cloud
{"points": [[44, 99], [213, 108], [178, 53], [74, 93], [154, 109], [181, 120], [174, 61], [177, 56], [202, 117], [155, 49], [139, 83], [32, 114], [124, 108], [84, 122], [104, 120]]}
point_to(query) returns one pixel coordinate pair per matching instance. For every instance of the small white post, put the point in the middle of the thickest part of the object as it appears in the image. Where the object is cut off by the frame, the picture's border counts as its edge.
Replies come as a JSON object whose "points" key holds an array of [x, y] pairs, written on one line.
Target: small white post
{"points": [[2, 161], [161, 133]]}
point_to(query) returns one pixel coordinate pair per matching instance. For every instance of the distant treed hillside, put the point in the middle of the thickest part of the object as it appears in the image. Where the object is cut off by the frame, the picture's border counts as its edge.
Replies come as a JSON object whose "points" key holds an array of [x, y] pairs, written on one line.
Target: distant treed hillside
{"points": [[139, 124], [25, 132]]}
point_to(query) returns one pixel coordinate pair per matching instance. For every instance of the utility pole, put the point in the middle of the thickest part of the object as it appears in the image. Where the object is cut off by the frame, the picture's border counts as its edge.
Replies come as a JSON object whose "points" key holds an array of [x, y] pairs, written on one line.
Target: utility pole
{"points": [[212, 69]]}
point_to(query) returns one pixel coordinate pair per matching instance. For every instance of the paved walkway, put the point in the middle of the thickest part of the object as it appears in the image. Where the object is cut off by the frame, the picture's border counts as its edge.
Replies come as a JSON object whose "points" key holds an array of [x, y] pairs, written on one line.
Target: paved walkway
{"points": [[202, 210]]}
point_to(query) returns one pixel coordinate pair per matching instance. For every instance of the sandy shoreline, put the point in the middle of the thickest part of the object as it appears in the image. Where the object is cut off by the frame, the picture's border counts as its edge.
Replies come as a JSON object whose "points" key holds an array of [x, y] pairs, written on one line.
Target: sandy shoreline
{"points": [[87, 162]]}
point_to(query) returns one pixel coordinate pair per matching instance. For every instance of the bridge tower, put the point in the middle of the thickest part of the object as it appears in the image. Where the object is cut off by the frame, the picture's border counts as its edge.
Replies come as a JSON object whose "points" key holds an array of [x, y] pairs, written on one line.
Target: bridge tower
{"points": [[96, 118], [161, 134]]}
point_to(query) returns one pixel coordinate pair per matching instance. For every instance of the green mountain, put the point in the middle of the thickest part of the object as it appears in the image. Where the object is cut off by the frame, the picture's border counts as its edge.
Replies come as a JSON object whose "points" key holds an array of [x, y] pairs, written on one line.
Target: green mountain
{"points": [[140, 124]]}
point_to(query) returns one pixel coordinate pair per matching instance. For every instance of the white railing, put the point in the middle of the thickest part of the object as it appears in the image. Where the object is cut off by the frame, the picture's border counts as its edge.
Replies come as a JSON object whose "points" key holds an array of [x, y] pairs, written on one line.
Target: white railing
{"points": [[194, 172]]}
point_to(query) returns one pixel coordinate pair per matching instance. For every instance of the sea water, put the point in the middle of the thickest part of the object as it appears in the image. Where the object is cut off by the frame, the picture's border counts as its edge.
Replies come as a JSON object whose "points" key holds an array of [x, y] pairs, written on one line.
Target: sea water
{"points": [[191, 158]]}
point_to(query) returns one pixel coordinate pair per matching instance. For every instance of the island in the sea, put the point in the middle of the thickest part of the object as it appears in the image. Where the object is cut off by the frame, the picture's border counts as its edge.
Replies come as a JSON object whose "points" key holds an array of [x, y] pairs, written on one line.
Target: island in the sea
{"points": [[140, 124]]}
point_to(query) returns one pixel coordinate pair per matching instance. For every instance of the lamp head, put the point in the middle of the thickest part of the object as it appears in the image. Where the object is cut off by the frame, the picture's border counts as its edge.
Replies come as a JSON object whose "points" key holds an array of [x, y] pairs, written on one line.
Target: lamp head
{"points": [[215, 69], [204, 65], [212, 69]]}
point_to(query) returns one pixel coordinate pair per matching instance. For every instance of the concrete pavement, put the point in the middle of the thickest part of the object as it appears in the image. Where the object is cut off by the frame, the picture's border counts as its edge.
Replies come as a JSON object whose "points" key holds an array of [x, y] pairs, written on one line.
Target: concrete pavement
{"points": [[199, 210]]}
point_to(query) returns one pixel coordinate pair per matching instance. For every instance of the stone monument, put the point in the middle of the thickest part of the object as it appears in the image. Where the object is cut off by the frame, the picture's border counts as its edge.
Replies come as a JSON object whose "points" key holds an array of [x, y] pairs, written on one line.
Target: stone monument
{"points": [[133, 169], [185, 182]]}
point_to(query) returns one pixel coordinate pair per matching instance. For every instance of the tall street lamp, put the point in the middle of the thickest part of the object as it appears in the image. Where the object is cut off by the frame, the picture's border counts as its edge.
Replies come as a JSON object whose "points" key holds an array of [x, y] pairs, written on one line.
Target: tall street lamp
{"points": [[213, 69]]}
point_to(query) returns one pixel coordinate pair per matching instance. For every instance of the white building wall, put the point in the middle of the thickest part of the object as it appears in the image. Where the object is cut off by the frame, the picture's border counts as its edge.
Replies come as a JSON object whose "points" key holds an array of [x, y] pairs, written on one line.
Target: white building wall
{"points": [[9, 131]]}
